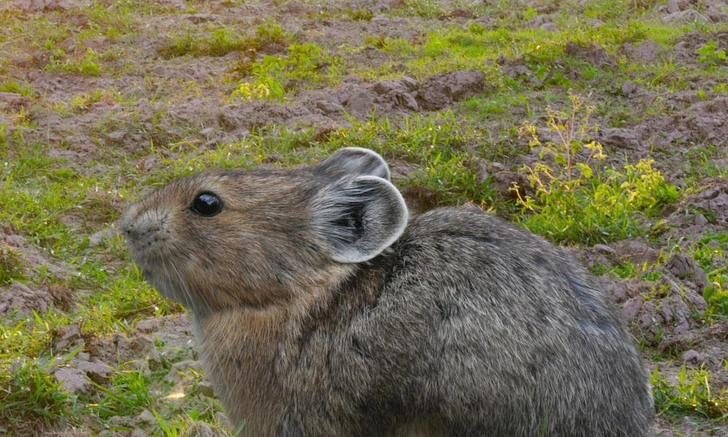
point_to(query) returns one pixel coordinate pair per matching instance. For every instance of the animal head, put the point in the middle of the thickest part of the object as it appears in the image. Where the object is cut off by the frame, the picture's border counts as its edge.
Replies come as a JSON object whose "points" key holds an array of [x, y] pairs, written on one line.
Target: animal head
{"points": [[255, 237]]}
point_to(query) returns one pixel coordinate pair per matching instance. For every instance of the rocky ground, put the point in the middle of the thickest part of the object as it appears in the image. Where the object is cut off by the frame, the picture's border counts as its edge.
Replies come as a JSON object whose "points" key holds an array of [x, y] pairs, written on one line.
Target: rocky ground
{"points": [[145, 109]]}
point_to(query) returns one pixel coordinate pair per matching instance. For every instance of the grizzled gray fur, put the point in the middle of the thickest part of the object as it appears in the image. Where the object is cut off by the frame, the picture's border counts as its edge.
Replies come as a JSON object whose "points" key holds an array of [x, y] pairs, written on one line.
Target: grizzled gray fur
{"points": [[322, 309]]}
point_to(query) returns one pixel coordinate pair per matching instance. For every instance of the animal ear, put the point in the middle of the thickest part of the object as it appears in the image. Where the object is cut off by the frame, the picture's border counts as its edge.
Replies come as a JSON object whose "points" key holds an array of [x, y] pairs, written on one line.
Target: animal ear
{"points": [[353, 161], [359, 217]]}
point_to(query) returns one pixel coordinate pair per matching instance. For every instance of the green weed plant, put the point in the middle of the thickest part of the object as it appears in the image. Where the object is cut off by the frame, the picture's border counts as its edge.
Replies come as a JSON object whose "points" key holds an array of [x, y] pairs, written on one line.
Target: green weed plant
{"points": [[691, 394], [710, 55], [303, 63], [88, 64], [576, 198], [710, 253]]}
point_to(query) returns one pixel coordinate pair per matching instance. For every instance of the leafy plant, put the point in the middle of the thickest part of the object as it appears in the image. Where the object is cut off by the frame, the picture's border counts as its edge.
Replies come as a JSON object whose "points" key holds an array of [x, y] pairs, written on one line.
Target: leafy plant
{"points": [[219, 42], [271, 33], [692, 394], [575, 198], [11, 265], [710, 54], [30, 394], [716, 295], [180, 45], [303, 63], [128, 394], [88, 64], [258, 91], [12, 86], [223, 41], [710, 253]]}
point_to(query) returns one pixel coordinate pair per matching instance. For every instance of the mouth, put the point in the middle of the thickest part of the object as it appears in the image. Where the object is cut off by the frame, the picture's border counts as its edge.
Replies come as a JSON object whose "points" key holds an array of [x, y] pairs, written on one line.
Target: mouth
{"points": [[146, 252]]}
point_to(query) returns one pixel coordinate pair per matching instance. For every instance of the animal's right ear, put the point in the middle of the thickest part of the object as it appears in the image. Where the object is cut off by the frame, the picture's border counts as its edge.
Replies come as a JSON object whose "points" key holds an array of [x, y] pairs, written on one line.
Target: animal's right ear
{"points": [[359, 217], [353, 161]]}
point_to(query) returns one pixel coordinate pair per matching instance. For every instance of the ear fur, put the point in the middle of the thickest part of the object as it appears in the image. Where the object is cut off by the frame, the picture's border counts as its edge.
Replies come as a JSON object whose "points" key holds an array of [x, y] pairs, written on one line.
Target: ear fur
{"points": [[353, 161], [359, 217]]}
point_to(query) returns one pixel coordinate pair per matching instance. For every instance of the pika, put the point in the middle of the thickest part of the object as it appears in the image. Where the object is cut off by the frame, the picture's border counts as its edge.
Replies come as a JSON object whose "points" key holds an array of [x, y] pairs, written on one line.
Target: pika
{"points": [[322, 309]]}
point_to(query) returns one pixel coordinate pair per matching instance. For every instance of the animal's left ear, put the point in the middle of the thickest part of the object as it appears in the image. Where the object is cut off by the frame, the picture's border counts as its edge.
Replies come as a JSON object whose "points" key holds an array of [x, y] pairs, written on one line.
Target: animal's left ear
{"points": [[353, 161], [359, 217]]}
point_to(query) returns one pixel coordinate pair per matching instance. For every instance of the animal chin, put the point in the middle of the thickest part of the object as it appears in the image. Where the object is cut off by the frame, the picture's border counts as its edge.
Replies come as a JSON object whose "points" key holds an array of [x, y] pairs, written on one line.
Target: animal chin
{"points": [[163, 282]]}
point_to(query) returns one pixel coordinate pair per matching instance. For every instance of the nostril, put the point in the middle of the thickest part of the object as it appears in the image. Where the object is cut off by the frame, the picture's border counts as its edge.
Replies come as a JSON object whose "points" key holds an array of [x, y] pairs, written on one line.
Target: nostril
{"points": [[130, 231]]}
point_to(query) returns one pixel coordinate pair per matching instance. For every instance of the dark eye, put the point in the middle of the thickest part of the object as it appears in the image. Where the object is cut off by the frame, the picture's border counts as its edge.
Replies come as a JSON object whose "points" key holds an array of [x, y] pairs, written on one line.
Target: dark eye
{"points": [[206, 204]]}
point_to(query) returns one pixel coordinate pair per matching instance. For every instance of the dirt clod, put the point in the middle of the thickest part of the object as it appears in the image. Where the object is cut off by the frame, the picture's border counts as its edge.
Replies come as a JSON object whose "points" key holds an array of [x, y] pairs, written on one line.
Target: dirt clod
{"points": [[23, 299], [441, 90]]}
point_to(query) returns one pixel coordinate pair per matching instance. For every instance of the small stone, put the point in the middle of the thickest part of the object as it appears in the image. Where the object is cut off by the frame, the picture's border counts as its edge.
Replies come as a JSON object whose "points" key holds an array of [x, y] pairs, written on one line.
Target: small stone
{"points": [[13, 101], [695, 358], [622, 138], [697, 301], [201, 18], [629, 87], [147, 417], [603, 248], [205, 388], [360, 102], [147, 326], [72, 380], [673, 6], [24, 299], [71, 333], [684, 267], [328, 107], [121, 421], [439, 90], [385, 86], [407, 101], [138, 432], [199, 429], [96, 370], [719, 330], [408, 82], [208, 132], [179, 369], [636, 251], [631, 308], [687, 16], [98, 237], [155, 360], [116, 135]]}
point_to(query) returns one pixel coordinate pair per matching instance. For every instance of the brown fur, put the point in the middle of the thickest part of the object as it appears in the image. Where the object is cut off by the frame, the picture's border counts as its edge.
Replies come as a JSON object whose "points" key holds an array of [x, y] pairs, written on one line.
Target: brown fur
{"points": [[318, 313]]}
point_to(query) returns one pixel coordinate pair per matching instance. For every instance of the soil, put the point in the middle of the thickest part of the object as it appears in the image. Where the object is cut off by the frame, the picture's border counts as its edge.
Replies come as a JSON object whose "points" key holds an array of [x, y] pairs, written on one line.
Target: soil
{"points": [[666, 325]]}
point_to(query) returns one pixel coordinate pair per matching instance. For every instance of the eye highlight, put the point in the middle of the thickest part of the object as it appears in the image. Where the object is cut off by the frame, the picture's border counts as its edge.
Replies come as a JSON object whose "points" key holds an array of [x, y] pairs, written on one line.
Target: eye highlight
{"points": [[206, 204]]}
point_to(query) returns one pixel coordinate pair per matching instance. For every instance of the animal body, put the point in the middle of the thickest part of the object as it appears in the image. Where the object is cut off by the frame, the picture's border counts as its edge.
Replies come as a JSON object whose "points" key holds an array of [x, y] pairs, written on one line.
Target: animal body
{"points": [[322, 309]]}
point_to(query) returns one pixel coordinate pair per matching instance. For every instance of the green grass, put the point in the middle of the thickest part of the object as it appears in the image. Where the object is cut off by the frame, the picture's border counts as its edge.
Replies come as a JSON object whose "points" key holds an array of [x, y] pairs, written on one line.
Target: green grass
{"points": [[690, 394], [304, 63], [31, 397], [578, 200], [711, 254], [12, 86], [54, 203], [56, 208], [11, 266], [218, 42], [223, 40]]}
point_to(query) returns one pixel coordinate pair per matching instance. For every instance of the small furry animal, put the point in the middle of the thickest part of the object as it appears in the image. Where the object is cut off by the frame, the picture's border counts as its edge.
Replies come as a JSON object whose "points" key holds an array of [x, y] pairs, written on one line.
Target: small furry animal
{"points": [[322, 309]]}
